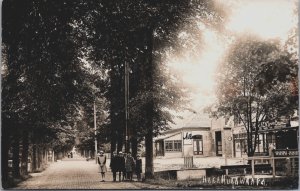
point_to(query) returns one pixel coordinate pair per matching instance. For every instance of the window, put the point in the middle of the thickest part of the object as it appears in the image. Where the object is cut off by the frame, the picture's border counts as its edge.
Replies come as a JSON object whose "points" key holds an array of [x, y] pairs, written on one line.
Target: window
{"points": [[169, 145], [175, 145]]}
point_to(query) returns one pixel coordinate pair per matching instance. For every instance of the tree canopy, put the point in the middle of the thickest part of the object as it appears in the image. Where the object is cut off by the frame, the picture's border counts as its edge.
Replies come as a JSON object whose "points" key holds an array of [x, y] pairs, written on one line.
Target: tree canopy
{"points": [[254, 85], [61, 56]]}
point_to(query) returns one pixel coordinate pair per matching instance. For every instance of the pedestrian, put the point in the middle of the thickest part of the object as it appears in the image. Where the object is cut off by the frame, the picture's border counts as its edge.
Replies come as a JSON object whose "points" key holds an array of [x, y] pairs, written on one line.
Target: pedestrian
{"points": [[138, 167], [125, 177], [129, 165], [120, 165], [271, 150], [114, 165], [71, 155], [102, 165]]}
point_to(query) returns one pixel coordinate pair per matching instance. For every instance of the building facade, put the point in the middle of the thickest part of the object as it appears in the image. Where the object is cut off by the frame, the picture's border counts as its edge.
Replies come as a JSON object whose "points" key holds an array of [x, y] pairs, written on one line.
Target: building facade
{"points": [[200, 136], [281, 136]]}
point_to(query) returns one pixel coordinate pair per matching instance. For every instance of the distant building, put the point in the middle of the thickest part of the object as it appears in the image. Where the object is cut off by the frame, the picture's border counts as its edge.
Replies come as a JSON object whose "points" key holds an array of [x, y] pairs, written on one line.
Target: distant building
{"points": [[200, 136]]}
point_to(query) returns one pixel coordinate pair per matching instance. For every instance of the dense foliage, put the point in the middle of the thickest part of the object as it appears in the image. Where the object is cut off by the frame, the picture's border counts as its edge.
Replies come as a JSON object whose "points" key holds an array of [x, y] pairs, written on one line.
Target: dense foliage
{"points": [[254, 85], [62, 56]]}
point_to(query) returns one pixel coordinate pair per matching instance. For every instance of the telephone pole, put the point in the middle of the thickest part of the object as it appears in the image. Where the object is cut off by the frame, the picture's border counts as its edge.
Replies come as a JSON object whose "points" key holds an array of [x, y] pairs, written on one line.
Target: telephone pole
{"points": [[126, 106], [95, 126]]}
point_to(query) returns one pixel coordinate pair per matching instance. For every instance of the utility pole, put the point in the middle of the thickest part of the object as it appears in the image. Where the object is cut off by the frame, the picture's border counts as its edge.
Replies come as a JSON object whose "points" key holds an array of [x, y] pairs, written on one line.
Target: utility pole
{"points": [[95, 126], [126, 105]]}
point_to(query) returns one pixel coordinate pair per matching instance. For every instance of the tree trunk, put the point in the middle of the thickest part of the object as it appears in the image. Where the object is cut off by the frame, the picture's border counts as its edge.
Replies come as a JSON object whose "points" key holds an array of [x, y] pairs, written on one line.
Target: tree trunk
{"points": [[117, 102], [43, 158], [113, 146], [4, 154], [55, 155], [34, 157], [150, 70], [120, 144], [149, 170], [16, 156], [134, 146], [24, 160], [38, 152]]}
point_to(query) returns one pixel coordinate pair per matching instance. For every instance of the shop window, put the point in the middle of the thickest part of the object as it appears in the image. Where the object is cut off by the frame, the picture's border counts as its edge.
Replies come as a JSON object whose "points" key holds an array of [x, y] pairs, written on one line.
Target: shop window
{"points": [[175, 145]]}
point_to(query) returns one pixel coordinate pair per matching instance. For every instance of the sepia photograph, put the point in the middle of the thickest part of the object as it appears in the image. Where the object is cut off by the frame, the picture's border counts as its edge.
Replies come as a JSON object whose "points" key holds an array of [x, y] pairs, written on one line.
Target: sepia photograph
{"points": [[149, 94]]}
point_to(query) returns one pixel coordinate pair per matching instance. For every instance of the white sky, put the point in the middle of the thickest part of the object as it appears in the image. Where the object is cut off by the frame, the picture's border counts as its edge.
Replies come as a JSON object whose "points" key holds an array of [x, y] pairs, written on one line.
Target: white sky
{"points": [[265, 18]]}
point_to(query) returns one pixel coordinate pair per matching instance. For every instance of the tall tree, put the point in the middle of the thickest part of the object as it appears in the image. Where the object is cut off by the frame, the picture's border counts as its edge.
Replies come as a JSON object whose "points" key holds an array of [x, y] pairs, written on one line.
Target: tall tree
{"points": [[138, 33], [44, 80], [253, 85]]}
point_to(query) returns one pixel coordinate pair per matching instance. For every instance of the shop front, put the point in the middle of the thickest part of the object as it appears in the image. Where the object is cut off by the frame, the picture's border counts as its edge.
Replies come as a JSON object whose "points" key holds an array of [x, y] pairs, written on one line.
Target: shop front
{"points": [[279, 139], [184, 142]]}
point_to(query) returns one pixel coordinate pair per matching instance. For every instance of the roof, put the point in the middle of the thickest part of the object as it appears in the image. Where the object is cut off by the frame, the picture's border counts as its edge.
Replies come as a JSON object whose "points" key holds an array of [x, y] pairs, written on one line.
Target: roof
{"points": [[196, 121], [192, 119], [173, 132], [199, 119], [188, 129], [165, 136]]}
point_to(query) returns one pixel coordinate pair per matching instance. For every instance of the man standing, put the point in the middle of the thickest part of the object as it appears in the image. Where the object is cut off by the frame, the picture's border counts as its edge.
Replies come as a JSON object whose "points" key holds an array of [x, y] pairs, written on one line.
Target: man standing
{"points": [[114, 165], [121, 166], [102, 164]]}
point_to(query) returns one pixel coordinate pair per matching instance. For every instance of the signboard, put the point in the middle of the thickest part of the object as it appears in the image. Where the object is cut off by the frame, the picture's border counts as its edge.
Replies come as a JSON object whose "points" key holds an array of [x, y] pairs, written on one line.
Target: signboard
{"points": [[187, 138]]}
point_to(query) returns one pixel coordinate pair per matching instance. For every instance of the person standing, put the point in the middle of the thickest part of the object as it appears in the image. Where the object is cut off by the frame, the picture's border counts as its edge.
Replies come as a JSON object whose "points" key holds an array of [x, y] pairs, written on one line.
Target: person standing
{"points": [[138, 167], [102, 165], [129, 165], [114, 165], [121, 166], [271, 149]]}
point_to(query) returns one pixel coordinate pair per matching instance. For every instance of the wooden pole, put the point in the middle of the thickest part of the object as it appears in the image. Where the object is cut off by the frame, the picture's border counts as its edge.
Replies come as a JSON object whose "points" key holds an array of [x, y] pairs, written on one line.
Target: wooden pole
{"points": [[252, 166], [95, 126], [273, 167], [126, 105]]}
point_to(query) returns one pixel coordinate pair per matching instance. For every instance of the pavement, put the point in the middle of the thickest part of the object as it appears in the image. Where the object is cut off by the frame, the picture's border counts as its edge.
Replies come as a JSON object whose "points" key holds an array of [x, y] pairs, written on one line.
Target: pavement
{"points": [[77, 173], [161, 164]]}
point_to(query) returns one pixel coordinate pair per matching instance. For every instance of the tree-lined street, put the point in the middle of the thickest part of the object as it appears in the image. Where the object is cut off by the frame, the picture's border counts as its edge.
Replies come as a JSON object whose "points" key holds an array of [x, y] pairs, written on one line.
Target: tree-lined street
{"points": [[61, 57], [84, 76], [76, 173]]}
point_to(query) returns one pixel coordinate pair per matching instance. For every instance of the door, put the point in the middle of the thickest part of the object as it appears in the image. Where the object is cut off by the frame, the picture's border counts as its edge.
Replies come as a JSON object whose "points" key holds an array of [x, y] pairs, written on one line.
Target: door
{"points": [[159, 145], [198, 146], [218, 139]]}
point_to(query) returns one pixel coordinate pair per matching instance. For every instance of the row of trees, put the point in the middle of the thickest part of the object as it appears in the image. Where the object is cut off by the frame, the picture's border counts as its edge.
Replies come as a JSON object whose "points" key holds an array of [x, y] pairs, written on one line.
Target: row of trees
{"points": [[61, 56], [139, 34], [42, 82]]}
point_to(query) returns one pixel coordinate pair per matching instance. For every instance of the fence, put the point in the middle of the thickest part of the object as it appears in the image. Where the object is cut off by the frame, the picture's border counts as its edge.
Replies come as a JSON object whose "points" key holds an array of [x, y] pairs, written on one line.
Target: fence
{"points": [[188, 162], [287, 165]]}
